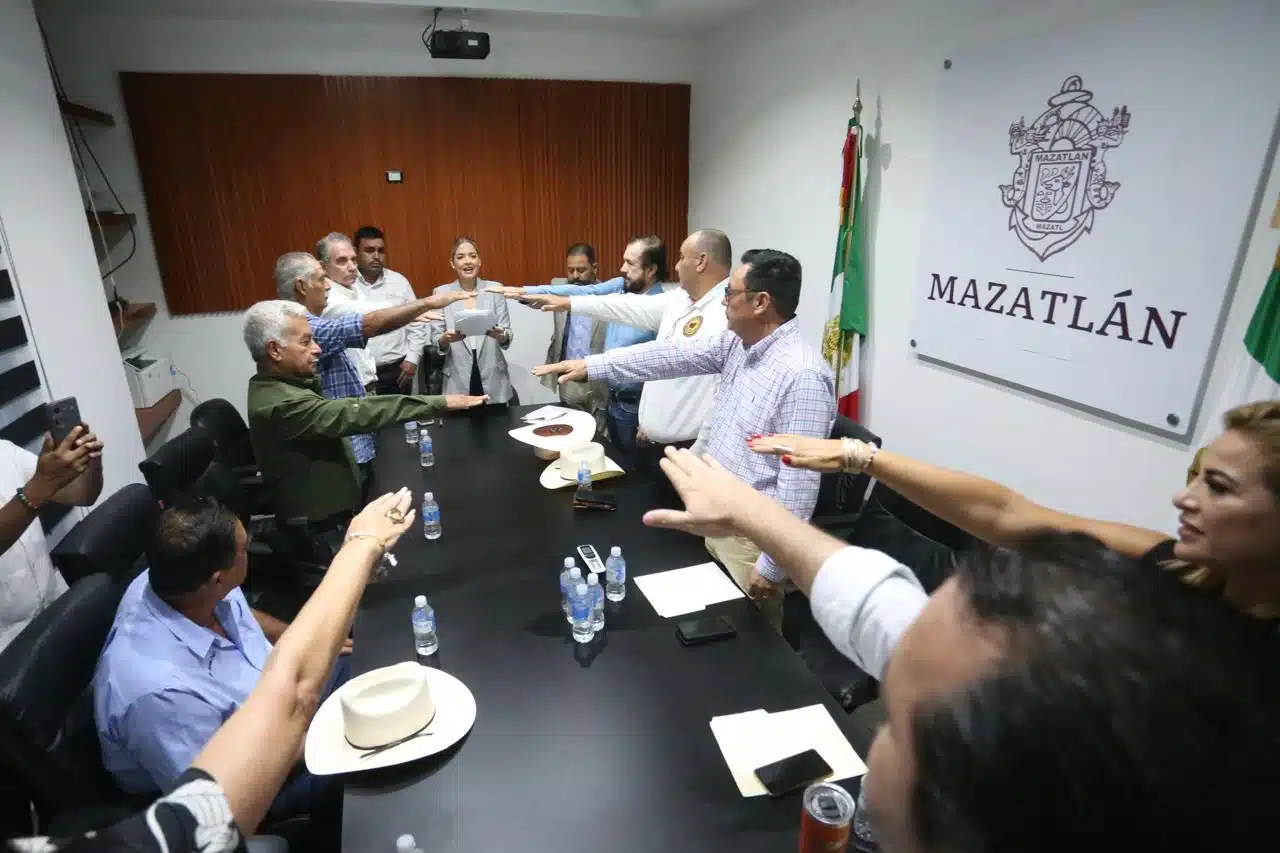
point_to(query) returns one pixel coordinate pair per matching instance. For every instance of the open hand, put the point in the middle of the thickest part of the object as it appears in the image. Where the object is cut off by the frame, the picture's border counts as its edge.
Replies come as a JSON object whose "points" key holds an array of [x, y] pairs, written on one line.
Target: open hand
{"points": [[456, 402], [546, 302], [798, 451], [509, 292], [440, 300], [429, 317], [385, 518], [712, 496], [569, 371]]}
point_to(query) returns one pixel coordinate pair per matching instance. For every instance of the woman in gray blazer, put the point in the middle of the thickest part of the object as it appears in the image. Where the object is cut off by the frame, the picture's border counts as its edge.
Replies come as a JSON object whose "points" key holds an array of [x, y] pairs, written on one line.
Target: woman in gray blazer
{"points": [[475, 365]]}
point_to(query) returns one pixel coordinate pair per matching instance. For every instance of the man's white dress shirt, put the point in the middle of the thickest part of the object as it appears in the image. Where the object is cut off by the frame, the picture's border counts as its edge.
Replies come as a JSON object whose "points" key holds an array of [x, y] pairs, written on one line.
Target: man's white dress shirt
{"points": [[392, 289], [28, 581], [345, 300], [671, 410], [864, 601]]}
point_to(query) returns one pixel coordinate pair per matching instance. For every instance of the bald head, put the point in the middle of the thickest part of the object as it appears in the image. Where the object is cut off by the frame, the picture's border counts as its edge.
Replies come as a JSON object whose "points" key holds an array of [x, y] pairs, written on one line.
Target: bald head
{"points": [[715, 245], [705, 259]]}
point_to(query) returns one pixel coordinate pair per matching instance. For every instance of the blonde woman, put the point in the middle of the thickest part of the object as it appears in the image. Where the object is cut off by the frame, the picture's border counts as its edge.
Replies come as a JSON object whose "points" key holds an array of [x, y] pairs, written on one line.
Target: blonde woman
{"points": [[478, 361]]}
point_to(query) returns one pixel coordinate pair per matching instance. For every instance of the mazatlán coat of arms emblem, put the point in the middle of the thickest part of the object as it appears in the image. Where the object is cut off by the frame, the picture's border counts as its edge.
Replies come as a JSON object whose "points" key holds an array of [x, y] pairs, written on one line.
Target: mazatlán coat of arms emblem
{"points": [[1061, 179]]}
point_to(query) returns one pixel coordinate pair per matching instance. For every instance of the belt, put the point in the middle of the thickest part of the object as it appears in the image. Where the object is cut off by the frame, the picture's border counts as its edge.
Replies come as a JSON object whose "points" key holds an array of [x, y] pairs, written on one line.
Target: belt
{"points": [[641, 441], [625, 396]]}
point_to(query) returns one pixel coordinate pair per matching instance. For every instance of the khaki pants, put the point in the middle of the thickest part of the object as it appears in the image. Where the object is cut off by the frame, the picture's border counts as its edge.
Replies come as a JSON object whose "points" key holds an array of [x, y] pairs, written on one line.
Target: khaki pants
{"points": [[739, 554]]}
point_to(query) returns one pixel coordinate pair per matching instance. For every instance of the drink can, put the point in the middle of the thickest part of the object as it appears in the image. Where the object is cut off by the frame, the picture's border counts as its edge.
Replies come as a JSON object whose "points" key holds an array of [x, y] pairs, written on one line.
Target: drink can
{"points": [[825, 818]]}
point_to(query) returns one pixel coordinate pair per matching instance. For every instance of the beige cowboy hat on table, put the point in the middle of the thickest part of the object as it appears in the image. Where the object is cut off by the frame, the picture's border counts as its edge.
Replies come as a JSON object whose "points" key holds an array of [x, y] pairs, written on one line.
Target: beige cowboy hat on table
{"points": [[563, 472], [388, 716], [577, 428]]}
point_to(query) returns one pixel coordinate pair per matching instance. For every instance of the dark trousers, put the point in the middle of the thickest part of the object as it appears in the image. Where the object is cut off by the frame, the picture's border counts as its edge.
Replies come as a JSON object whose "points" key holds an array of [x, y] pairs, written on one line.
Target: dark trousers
{"points": [[622, 420], [648, 457], [389, 379]]}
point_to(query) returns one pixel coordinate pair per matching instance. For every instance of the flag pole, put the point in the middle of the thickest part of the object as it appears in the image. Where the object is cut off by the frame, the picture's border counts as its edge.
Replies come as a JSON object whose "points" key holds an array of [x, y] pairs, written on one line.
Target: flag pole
{"points": [[857, 102]]}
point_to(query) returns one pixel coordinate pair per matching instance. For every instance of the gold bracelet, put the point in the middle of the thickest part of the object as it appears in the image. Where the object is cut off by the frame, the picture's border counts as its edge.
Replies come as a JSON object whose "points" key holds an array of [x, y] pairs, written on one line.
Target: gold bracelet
{"points": [[353, 536]]}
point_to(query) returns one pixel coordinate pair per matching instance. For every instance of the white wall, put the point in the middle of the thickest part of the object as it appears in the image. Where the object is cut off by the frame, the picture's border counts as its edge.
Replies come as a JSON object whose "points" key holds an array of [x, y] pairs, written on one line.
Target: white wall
{"points": [[769, 111], [52, 256], [90, 48]]}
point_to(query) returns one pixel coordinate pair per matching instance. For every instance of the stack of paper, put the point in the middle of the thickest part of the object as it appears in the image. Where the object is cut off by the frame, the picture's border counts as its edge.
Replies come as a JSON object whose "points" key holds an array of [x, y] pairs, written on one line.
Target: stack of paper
{"points": [[545, 413], [687, 590], [756, 738]]}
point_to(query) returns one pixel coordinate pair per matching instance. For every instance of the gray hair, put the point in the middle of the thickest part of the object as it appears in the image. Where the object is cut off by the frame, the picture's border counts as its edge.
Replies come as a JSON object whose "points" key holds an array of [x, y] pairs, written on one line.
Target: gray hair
{"points": [[266, 322], [290, 267], [323, 244]]}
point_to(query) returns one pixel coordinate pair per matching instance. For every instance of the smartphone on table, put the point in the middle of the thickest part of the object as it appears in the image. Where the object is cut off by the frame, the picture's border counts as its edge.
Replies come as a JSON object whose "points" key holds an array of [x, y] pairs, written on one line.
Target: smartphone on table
{"points": [[792, 773]]}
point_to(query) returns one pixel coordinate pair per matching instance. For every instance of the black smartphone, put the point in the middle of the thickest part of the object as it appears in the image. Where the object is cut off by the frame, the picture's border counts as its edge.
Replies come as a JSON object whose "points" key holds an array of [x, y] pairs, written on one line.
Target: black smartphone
{"points": [[693, 632], [64, 416], [594, 500], [789, 774]]}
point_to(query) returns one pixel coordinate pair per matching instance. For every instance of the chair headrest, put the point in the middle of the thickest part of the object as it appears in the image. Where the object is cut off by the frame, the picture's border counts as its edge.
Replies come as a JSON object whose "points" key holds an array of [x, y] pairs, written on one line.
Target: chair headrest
{"points": [[111, 538], [176, 465], [220, 418], [45, 674]]}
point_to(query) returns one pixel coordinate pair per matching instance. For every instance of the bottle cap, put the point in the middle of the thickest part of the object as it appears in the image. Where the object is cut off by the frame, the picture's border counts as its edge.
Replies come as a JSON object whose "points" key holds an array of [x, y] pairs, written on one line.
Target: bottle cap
{"points": [[581, 589], [575, 573], [428, 496], [615, 551], [406, 844], [420, 601], [593, 579], [569, 562]]}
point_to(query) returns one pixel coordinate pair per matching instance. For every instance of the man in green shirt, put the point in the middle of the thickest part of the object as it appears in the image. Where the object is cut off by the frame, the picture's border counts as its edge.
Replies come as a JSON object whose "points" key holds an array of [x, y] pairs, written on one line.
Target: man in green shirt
{"points": [[299, 437]]}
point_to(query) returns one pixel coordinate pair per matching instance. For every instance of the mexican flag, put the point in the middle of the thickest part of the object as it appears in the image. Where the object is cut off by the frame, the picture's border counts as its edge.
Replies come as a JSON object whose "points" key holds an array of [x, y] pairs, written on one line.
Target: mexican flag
{"points": [[1256, 374], [847, 308]]}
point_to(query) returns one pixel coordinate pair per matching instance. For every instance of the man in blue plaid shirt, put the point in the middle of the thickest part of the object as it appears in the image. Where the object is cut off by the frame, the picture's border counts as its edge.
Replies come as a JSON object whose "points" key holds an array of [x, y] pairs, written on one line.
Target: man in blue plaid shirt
{"points": [[771, 381], [301, 278]]}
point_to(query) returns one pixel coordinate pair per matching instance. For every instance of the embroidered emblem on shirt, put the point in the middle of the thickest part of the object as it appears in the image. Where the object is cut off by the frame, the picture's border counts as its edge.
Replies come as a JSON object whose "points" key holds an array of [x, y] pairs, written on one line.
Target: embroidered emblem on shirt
{"points": [[691, 328]]}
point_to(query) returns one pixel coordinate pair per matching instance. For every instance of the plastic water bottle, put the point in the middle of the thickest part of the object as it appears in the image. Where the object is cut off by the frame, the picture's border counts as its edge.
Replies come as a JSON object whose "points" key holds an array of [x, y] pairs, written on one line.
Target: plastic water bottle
{"points": [[569, 563], [425, 639], [597, 601], [575, 578], [410, 437], [615, 575], [431, 517], [584, 476], [582, 630], [426, 451], [407, 844]]}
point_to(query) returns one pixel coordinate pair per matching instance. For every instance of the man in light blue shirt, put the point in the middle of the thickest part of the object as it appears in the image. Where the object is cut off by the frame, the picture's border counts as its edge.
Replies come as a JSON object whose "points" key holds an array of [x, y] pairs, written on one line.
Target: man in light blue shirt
{"points": [[183, 653], [644, 269]]}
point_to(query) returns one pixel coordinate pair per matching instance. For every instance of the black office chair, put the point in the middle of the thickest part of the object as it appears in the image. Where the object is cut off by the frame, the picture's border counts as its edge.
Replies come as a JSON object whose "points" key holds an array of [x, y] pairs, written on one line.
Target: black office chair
{"points": [[48, 738], [840, 495], [111, 538], [172, 469], [230, 433]]}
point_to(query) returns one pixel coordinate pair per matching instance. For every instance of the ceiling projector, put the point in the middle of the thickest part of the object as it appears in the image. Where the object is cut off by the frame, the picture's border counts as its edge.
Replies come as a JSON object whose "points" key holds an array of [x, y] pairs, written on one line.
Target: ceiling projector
{"points": [[458, 44]]}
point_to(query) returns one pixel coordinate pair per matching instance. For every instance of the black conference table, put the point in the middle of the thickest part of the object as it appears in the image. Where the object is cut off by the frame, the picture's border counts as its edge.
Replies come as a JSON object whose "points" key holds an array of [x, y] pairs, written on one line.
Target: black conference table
{"points": [[575, 747]]}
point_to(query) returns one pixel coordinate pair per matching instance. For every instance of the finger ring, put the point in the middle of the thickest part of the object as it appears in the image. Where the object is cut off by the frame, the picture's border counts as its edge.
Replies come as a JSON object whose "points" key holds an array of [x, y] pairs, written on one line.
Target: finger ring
{"points": [[395, 515]]}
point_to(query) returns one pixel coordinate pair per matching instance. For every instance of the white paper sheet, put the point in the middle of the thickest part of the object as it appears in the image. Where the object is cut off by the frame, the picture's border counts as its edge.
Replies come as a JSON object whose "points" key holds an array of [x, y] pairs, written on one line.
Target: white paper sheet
{"points": [[687, 590], [756, 738], [545, 413]]}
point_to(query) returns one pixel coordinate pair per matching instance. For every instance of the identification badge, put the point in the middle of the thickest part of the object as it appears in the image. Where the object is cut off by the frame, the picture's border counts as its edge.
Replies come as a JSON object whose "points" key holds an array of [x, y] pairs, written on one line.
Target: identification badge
{"points": [[693, 325]]}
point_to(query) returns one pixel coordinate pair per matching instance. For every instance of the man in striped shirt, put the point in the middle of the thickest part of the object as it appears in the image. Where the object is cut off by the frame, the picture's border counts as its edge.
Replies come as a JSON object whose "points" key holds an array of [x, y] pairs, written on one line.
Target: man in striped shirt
{"points": [[771, 381], [301, 278]]}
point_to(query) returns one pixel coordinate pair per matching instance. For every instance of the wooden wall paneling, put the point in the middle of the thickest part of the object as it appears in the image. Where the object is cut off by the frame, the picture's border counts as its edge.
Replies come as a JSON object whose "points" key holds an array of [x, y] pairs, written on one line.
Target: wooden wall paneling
{"points": [[240, 168]]}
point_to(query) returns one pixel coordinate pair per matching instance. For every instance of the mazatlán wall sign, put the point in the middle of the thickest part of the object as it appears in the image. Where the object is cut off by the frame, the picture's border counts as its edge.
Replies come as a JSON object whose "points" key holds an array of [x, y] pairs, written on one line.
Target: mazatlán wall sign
{"points": [[1091, 190]]}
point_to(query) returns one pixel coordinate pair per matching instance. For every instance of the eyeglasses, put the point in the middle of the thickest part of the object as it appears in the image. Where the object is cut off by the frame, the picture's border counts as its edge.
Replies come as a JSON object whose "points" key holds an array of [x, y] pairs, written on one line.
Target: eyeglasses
{"points": [[730, 292]]}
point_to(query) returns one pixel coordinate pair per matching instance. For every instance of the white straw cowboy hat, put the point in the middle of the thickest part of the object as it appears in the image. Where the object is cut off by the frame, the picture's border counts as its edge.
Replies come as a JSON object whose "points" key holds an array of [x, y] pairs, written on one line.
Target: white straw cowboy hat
{"points": [[389, 716], [564, 471], [570, 429]]}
